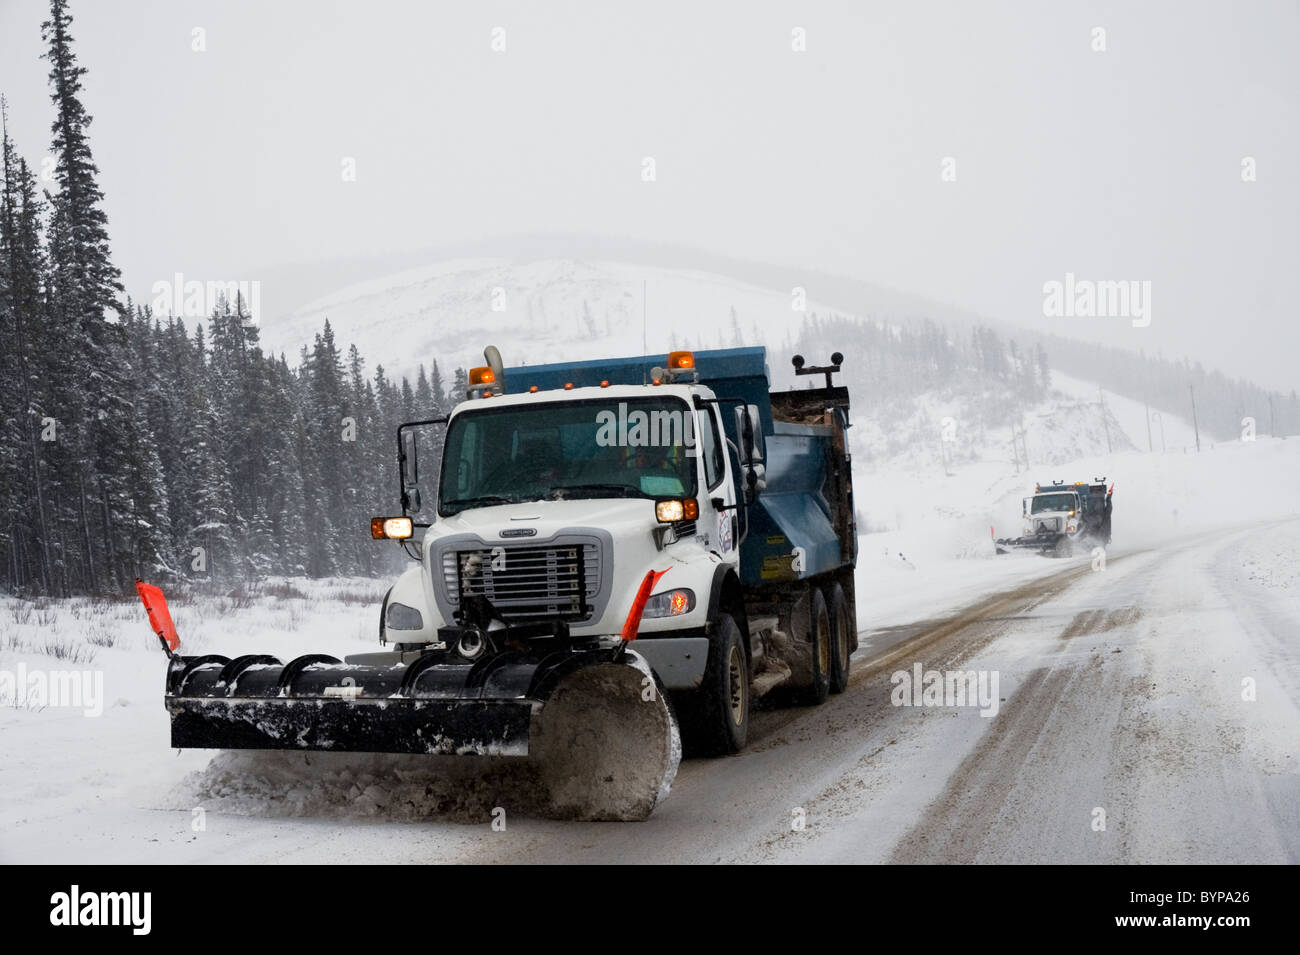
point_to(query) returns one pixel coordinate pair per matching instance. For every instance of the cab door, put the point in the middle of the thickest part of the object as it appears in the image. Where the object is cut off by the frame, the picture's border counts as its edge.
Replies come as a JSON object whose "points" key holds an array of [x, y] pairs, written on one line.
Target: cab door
{"points": [[719, 523]]}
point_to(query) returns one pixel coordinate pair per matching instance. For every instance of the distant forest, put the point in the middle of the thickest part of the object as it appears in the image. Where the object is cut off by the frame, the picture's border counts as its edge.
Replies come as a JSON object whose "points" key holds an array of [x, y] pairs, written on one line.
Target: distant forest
{"points": [[893, 362], [1221, 402], [887, 365]]}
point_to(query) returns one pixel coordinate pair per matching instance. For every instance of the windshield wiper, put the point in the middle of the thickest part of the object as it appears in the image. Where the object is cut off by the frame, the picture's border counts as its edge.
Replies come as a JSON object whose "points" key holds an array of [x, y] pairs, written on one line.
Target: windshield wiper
{"points": [[623, 490], [466, 502]]}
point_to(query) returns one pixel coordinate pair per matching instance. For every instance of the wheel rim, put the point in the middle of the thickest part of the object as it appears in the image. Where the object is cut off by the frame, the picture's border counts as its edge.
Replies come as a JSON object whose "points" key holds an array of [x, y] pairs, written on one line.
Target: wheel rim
{"points": [[823, 644], [736, 688]]}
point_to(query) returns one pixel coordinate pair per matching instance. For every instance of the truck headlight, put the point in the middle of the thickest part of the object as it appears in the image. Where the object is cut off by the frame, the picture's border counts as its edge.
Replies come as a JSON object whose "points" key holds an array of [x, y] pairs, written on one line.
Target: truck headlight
{"points": [[686, 509], [672, 603], [402, 617]]}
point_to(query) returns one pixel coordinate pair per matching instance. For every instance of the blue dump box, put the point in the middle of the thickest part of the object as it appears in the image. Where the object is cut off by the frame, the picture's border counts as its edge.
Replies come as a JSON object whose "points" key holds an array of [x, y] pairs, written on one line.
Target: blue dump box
{"points": [[802, 523]]}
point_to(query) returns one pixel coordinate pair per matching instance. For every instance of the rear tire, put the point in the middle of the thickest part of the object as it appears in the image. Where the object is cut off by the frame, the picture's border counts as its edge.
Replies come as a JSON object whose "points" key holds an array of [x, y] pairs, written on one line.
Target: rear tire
{"points": [[820, 643], [715, 717], [841, 637]]}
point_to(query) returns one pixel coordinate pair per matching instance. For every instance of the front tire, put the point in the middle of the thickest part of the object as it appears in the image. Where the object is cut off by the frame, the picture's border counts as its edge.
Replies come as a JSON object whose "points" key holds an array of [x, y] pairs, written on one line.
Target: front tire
{"points": [[716, 715]]}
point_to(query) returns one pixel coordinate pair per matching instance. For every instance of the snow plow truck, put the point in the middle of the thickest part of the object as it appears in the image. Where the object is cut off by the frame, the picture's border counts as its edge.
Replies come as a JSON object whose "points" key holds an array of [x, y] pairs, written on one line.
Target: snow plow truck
{"points": [[610, 557], [1059, 518]]}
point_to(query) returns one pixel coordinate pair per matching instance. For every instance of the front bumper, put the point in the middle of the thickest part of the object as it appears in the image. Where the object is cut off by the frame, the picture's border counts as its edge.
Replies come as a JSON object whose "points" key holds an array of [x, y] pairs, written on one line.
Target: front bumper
{"points": [[679, 661]]}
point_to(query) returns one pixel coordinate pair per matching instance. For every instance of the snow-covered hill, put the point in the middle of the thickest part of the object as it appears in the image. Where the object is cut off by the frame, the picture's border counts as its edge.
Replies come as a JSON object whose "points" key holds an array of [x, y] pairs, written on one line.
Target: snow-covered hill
{"points": [[537, 311]]}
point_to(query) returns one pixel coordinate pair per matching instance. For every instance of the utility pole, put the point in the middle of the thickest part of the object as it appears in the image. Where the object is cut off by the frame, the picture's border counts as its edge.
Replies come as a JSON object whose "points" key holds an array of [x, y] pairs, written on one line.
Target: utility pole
{"points": [[1195, 426], [1106, 424], [1150, 447], [1272, 423]]}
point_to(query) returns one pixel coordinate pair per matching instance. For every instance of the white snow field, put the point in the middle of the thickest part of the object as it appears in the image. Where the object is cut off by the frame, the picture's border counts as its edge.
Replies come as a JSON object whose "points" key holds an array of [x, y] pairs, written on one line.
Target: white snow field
{"points": [[1159, 694]]}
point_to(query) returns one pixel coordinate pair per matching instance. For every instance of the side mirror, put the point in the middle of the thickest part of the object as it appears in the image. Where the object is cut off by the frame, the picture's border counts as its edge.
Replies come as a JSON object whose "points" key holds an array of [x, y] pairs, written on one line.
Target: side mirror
{"points": [[410, 466], [749, 428], [410, 462]]}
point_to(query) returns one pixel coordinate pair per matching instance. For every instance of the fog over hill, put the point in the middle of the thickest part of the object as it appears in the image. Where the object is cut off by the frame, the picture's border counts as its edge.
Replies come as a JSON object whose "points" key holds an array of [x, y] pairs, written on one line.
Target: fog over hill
{"points": [[543, 298]]}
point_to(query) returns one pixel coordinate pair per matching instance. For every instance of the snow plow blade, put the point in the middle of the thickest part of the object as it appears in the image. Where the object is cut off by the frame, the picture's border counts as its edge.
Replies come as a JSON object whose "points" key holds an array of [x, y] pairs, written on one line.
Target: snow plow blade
{"points": [[318, 702], [592, 719], [1005, 545], [594, 724]]}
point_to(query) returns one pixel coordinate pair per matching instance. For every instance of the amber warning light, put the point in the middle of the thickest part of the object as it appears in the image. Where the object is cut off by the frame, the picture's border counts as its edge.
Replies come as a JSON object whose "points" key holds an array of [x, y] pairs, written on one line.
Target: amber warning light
{"points": [[391, 528], [681, 359]]}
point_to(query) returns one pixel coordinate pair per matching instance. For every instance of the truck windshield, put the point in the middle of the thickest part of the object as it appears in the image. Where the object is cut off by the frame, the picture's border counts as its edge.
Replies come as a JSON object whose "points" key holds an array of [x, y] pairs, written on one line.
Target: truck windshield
{"points": [[1054, 502], [640, 447]]}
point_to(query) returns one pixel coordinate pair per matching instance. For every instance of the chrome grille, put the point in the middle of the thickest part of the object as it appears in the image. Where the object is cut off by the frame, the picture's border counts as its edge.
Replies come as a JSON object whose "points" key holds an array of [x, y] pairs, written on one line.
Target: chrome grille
{"points": [[559, 580]]}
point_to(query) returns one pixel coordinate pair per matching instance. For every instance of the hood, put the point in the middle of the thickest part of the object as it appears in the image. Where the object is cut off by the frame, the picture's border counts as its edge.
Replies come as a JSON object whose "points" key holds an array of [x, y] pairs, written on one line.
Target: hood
{"points": [[548, 518]]}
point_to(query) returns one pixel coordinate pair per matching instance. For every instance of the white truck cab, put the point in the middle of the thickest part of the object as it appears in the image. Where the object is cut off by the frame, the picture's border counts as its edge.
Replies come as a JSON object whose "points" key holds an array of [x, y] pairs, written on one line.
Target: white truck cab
{"points": [[558, 503]]}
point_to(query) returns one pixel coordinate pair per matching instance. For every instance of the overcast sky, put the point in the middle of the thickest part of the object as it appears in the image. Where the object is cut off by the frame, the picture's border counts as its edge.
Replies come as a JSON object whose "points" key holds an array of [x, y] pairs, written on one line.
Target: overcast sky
{"points": [[1117, 165]]}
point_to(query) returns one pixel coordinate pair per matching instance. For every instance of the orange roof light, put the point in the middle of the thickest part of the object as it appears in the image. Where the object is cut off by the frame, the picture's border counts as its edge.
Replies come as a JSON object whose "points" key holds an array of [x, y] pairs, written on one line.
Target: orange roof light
{"points": [[568, 386], [604, 383], [482, 376], [681, 359], [532, 389]]}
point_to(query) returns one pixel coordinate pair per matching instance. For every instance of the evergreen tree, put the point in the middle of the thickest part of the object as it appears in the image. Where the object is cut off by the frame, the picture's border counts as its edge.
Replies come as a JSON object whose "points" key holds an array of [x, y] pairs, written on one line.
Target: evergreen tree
{"points": [[97, 474], [24, 370], [439, 389]]}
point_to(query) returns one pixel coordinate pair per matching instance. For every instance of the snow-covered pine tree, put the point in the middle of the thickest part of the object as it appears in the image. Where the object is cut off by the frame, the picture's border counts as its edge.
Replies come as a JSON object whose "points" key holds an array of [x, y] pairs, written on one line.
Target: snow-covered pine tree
{"points": [[439, 388], [355, 463], [322, 478], [424, 401], [100, 428], [24, 531], [287, 505]]}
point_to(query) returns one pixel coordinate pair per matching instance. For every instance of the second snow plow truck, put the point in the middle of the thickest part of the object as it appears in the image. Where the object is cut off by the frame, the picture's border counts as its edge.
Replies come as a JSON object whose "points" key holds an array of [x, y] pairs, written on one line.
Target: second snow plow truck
{"points": [[1060, 517], [594, 541]]}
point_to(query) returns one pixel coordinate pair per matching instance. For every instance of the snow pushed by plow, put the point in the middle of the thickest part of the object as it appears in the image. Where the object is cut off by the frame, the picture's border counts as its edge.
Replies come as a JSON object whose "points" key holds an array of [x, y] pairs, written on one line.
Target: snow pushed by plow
{"points": [[400, 788], [608, 745]]}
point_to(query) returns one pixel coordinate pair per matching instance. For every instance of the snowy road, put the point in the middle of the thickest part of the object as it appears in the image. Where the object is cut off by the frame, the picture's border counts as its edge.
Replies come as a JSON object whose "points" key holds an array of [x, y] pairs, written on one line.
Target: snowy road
{"points": [[1124, 702], [1122, 690]]}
